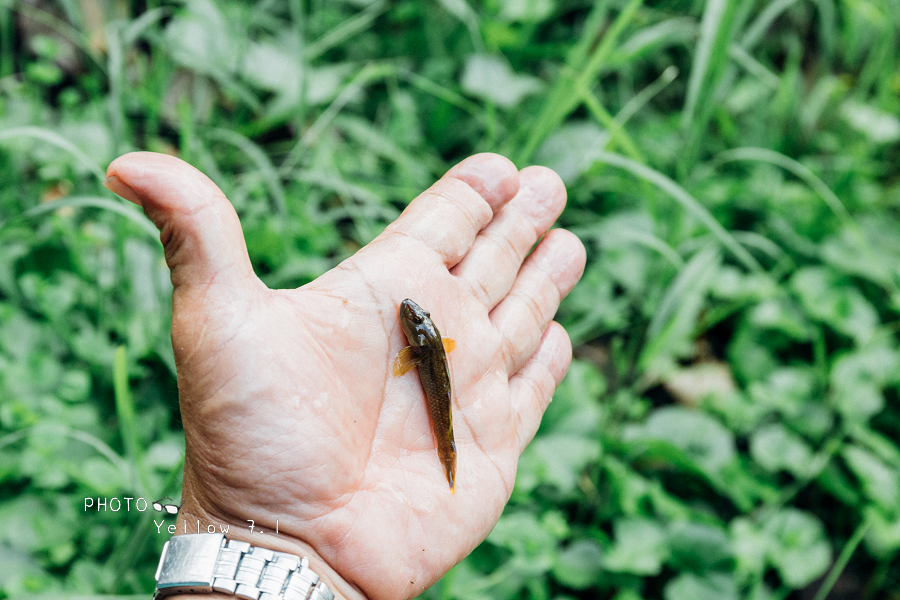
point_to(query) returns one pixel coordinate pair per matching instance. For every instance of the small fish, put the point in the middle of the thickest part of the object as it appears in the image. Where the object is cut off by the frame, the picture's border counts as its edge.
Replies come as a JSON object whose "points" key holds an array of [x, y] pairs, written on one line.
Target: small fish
{"points": [[428, 352]]}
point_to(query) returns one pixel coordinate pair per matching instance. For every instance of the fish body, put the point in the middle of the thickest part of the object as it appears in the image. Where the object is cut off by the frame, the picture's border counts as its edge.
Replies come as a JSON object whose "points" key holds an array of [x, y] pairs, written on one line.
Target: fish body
{"points": [[428, 351]]}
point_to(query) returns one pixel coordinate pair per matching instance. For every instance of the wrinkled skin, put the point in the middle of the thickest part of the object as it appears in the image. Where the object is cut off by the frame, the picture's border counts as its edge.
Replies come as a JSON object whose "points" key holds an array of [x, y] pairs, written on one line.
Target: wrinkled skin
{"points": [[289, 406]]}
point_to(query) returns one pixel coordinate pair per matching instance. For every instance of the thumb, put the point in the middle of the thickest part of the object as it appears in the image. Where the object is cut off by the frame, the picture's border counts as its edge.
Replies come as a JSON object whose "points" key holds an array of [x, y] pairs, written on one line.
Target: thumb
{"points": [[198, 227]]}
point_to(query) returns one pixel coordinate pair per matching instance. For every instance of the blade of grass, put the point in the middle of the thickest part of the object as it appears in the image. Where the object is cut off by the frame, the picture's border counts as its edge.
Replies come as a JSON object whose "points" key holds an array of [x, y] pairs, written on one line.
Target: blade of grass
{"points": [[381, 144], [590, 32], [820, 188], [128, 211], [439, 91], [344, 31], [364, 216], [81, 436], [761, 243], [753, 66], [615, 128], [260, 159], [114, 51], [653, 38], [632, 234], [639, 100], [135, 28], [757, 29], [563, 97], [299, 21], [167, 356], [597, 60], [710, 60], [7, 55], [818, 463], [332, 181], [677, 314], [618, 135], [794, 167], [371, 72], [880, 62], [688, 202], [843, 559], [72, 34], [57, 140], [124, 558], [127, 423], [462, 11], [827, 31]]}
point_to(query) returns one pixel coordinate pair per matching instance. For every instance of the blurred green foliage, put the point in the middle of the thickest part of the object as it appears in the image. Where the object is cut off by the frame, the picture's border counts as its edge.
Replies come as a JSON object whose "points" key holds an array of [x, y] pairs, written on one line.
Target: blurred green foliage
{"points": [[728, 429]]}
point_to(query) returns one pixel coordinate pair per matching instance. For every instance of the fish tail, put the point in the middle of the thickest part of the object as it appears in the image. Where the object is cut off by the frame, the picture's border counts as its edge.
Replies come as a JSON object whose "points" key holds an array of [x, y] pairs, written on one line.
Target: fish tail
{"points": [[450, 466]]}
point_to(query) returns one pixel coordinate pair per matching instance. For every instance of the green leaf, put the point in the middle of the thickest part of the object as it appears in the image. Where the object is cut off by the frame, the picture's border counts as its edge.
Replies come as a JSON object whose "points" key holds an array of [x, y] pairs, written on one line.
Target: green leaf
{"points": [[165, 455], [883, 535], [701, 437], [570, 150], [671, 331], [526, 11], [491, 78], [531, 542], [858, 377], [75, 385], [465, 581], [201, 39], [797, 546], [710, 58], [850, 251], [877, 364], [579, 565], [697, 547], [101, 477], [275, 68], [751, 354], [21, 573], [879, 126], [640, 547], [776, 449], [880, 482], [563, 457], [786, 390], [575, 408], [827, 298], [713, 586], [836, 482], [783, 316], [750, 546]]}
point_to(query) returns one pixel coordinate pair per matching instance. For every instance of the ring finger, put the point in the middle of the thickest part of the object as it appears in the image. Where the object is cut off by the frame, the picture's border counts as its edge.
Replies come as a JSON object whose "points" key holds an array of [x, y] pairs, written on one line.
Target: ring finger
{"points": [[547, 276]]}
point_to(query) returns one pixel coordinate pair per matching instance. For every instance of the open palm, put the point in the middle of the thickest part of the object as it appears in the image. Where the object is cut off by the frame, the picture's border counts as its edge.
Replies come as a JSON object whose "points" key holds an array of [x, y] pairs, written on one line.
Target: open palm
{"points": [[292, 417]]}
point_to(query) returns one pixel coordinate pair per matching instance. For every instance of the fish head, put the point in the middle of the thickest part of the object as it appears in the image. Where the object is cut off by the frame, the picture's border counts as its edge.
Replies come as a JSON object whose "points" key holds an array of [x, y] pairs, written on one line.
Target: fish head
{"points": [[417, 325]]}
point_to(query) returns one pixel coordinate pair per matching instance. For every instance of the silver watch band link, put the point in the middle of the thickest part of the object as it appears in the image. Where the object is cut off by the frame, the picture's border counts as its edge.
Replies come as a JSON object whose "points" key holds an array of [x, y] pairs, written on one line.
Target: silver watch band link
{"points": [[239, 569]]}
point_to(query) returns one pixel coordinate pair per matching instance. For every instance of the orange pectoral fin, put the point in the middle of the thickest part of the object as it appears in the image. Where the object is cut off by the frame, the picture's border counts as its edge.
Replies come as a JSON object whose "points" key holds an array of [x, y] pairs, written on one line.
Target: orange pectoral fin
{"points": [[449, 344], [404, 361]]}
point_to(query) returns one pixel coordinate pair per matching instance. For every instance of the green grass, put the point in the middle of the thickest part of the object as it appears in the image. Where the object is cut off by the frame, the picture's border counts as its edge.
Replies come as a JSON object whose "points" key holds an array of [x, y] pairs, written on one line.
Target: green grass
{"points": [[729, 426]]}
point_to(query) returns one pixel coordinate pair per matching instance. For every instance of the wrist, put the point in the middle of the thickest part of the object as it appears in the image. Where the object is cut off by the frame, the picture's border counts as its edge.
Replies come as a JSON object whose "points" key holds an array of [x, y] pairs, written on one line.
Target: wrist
{"points": [[194, 521]]}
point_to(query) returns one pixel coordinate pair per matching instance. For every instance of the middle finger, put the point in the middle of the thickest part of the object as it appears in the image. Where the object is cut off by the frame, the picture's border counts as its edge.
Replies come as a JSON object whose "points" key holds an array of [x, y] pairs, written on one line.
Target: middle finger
{"points": [[492, 264]]}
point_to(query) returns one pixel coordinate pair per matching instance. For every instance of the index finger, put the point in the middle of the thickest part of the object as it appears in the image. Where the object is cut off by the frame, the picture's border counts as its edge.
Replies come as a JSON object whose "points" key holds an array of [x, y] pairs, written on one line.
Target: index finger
{"points": [[449, 214]]}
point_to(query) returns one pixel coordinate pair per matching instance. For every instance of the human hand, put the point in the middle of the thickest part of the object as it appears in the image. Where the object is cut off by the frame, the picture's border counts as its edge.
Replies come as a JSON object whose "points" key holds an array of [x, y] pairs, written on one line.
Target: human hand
{"points": [[290, 410]]}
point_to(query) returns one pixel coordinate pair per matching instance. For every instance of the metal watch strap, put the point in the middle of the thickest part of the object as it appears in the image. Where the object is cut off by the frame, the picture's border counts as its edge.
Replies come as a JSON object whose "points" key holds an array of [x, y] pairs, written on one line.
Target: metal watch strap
{"points": [[208, 562]]}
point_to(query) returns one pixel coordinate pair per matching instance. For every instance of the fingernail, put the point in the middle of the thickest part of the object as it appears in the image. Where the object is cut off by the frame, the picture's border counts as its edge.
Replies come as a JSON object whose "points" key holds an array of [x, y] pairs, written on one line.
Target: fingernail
{"points": [[117, 187]]}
